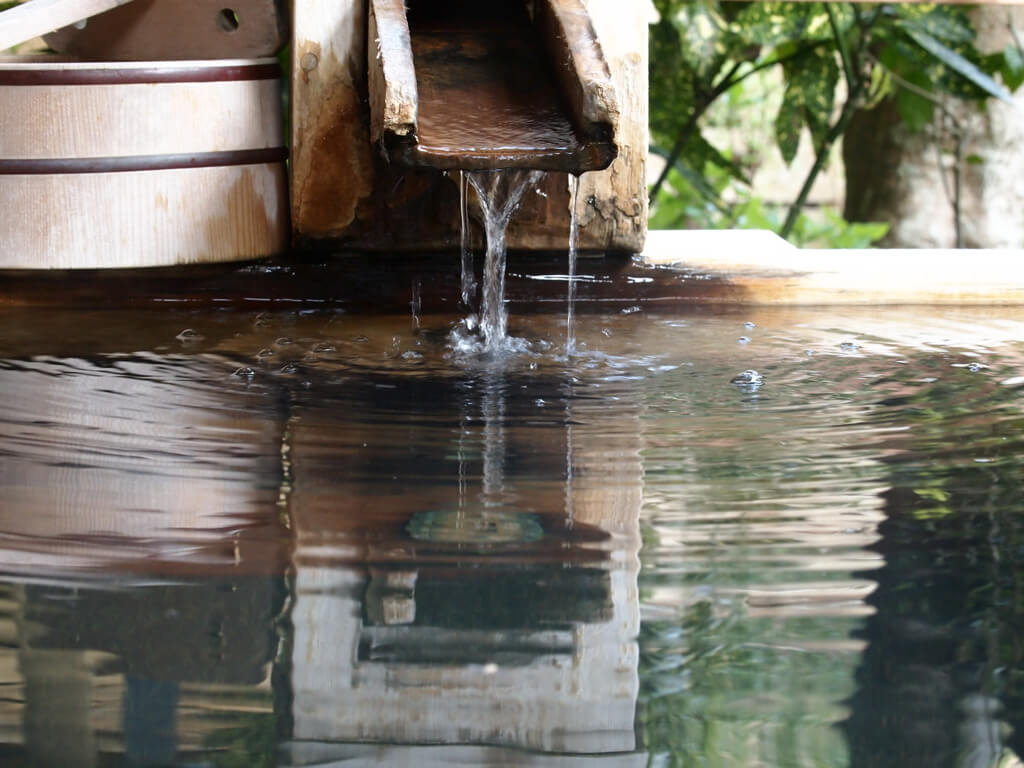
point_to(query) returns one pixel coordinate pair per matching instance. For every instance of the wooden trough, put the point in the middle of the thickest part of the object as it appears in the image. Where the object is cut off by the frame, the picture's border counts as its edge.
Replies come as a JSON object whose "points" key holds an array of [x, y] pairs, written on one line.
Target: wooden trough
{"points": [[136, 164]]}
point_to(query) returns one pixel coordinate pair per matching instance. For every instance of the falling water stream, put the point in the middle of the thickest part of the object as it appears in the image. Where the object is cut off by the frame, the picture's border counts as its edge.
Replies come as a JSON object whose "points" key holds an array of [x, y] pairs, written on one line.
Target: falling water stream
{"points": [[500, 193]]}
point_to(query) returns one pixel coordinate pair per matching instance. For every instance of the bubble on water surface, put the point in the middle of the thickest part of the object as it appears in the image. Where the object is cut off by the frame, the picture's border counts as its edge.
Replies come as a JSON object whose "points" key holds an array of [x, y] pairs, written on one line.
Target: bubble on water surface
{"points": [[749, 379], [743, 340], [244, 372], [749, 325], [189, 336], [849, 346], [631, 310]]}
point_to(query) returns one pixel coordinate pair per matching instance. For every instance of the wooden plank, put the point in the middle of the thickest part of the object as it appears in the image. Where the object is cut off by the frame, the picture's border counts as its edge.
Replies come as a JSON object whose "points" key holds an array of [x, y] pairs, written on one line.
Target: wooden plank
{"points": [[585, 77], [38, 17], [144, 119], [393, 94], [331, 163], [760, 268], [143, 218]]}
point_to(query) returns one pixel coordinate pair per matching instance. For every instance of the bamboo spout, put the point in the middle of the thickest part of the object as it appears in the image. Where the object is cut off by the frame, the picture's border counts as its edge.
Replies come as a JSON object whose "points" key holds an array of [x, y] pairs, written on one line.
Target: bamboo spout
{"points": [[472, 86]]}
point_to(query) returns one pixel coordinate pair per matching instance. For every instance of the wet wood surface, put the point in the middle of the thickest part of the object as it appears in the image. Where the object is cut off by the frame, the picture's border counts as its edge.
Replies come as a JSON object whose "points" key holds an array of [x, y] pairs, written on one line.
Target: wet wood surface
{"points": [[489, 96], [368, 283]]}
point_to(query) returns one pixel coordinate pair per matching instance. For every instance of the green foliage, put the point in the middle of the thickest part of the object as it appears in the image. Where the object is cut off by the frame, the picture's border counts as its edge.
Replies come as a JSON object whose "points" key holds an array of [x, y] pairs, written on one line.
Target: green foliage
{"points": [[702, 50], [697, 204]]}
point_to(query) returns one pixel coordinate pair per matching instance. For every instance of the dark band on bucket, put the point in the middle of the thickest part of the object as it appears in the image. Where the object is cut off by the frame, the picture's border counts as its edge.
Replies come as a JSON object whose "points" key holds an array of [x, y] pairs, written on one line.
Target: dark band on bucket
{"points": [[72, 165], [27, 75]]}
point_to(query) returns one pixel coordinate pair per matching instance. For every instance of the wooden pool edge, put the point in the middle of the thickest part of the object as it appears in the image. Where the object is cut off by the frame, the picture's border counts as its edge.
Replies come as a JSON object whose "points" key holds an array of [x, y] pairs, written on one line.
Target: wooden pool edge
{"points": [[760, 268]]}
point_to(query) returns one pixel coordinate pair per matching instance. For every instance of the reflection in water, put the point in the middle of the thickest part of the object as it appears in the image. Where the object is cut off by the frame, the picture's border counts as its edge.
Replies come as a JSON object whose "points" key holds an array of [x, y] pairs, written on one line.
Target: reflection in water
{"points": [[940, 683], [309, 538]]}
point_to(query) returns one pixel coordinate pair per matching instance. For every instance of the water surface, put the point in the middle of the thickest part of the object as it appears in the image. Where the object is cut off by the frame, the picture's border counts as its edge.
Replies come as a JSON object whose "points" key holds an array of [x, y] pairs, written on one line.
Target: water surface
{"points": [[313, 537]]}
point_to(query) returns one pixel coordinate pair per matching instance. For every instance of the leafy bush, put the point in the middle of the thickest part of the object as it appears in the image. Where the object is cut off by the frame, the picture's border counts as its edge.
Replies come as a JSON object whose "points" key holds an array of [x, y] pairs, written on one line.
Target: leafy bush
{"points": [[835, 58]]}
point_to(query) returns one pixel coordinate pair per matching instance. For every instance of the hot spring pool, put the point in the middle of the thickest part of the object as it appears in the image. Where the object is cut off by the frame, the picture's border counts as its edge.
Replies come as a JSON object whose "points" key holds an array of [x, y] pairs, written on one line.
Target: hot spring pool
{"points": [[311, 536]]}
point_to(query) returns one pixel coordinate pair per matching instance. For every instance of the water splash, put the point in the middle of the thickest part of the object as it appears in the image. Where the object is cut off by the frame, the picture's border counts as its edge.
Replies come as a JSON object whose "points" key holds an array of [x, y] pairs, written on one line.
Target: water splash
{"points": [[500, 193]]}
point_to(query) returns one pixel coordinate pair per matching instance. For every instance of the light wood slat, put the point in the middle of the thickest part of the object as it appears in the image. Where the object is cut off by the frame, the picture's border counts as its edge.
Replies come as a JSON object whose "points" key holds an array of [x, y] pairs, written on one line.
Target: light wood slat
{"points": [[38, 17]]}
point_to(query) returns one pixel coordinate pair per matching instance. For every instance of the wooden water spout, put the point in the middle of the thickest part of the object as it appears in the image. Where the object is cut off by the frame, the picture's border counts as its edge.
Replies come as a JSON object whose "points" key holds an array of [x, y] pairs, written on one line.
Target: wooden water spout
{"points": [[482, 86], [386, 99]]}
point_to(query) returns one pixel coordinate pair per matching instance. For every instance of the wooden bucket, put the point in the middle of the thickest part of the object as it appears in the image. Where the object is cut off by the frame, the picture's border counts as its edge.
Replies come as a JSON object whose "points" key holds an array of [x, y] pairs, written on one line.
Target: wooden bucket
{"points": [[134, 164]]}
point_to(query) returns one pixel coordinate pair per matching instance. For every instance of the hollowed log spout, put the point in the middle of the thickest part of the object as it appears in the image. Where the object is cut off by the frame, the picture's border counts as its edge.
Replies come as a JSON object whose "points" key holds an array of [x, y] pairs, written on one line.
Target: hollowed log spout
{"points": [[460, 84]]}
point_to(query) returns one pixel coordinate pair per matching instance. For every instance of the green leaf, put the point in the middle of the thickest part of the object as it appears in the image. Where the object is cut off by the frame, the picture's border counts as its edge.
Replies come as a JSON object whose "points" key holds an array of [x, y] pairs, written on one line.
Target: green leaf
{"points": [[959, 64], [809, 99], [788, 124], [703, 36], [1012, 67], [916, 110], [942, 22], [771, 24]]}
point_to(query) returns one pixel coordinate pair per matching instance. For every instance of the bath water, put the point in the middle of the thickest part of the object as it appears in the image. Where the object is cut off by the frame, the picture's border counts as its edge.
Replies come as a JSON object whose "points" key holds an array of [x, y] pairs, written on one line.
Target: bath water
{"points": [[282, 539]]}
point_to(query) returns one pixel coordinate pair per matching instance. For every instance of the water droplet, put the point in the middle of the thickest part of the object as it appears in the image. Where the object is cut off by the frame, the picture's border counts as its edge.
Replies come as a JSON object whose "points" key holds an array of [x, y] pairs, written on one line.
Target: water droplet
{"points": [[265, 353], [743, 340], [749, 379], [284, 341], [975, 367], [748, 325], [539, 402], [323, 347], [809, 352], [849, 346], [533, 366], [189, 336], [245, 372]]}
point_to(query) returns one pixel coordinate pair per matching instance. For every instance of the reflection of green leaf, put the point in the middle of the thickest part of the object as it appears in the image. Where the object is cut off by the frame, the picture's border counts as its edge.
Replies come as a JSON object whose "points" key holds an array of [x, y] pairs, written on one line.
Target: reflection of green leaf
{"points": [[935, 494]]}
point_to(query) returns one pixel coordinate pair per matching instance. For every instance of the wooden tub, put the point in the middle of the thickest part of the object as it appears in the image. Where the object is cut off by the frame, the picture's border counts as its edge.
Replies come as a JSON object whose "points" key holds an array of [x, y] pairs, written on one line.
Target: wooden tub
{"points": [[134, 164]]}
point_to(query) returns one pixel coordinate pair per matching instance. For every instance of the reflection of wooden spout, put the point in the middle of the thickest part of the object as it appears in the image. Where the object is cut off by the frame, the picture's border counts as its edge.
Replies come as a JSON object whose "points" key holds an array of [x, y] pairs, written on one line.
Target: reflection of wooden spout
{"points": [[480, 86]]}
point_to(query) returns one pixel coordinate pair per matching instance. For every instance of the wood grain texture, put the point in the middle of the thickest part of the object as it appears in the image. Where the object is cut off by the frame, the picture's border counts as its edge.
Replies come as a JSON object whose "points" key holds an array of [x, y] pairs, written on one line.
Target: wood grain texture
{"points": [[37, 17], [140, 119], [143, 218], [178, 29], [579, 64], [392, 76], [233, 207], [762, 268], [332, 166]]}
